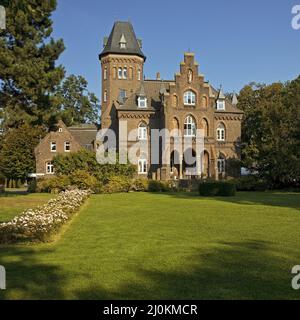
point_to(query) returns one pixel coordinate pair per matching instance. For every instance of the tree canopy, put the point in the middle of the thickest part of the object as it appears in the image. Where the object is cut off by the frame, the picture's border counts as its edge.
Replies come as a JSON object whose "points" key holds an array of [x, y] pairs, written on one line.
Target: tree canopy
{"points": [[271, 131]]}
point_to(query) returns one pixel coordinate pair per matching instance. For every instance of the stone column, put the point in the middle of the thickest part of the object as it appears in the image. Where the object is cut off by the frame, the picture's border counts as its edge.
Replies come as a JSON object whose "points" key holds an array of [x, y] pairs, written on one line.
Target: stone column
{"points": [[180, 166], [199, 165]]}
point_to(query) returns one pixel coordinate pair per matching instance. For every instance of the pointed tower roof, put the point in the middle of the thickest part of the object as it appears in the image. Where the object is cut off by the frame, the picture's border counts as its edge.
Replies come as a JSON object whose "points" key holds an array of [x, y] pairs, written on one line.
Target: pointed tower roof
{"points": [[234, 100], [141, 91], [122, 31], [221, 94]]}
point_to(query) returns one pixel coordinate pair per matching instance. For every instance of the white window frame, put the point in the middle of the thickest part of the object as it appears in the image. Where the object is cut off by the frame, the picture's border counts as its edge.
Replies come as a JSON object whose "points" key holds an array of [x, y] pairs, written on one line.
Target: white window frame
{"points": [[142, 166], [49, 167], [142, 132], [190, 126], [120, 73], [53, 146], [122, 45], [189, 98], [124, 73], [221, 165], [220, 104], [67, 143], [142, 102], [221, 133]]}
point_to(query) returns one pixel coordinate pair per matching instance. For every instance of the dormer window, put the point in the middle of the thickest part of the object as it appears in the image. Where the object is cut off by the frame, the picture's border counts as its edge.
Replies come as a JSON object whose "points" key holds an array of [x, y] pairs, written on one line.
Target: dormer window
{"points": [[123, 42], [220, 104], [189, 98], [142, 102]]}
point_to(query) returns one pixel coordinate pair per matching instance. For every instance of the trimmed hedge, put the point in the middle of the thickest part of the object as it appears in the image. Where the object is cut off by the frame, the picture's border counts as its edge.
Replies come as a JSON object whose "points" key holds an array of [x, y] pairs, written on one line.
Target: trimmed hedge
{"points": [[251, 183], [217, 188]]}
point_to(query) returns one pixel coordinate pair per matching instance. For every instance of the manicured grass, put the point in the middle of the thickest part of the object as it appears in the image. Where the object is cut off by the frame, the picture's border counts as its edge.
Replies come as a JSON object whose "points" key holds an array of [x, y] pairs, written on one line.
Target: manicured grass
{"points": [[165, 246], [14, 202]]}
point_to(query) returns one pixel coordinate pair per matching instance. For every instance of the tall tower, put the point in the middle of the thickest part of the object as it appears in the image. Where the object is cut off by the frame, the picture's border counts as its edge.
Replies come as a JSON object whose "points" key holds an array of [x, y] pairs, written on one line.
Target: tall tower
{"points": [[122, 63]]}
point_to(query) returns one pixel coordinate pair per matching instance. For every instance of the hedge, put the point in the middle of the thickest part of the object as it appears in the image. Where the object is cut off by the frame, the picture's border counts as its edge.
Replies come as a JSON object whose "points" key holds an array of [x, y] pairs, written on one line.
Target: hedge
{"points": [[217, 188]]}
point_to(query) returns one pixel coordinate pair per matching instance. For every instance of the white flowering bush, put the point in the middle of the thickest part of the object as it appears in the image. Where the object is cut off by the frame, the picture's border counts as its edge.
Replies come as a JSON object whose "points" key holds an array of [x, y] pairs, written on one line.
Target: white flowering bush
{"points": [[38, 224]]}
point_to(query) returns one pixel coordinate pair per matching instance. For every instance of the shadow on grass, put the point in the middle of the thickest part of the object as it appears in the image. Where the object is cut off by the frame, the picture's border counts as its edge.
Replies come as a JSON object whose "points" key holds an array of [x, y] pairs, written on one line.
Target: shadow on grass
{"points": [[14, 193], [278, 199], [27, 278], [239, 270], [231, 270]]}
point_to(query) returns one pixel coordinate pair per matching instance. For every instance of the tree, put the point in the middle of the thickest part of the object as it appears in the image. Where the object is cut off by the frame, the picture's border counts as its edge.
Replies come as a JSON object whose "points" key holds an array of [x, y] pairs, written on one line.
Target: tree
{"points": [[28, 72], [270, 131], [77, 104], [17, 151]]}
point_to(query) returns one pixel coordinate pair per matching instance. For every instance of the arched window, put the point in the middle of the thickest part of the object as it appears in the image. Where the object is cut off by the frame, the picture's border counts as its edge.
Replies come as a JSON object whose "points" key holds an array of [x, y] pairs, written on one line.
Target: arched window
{"points": [[139, 74], [190, 127], [142, 164], [221, 164], [105, 73], [221, 133], [125, 73], [205, 127], [204, 101], [49, 167], [142, 131], [189, 98], [105, 96], [175, 101]]}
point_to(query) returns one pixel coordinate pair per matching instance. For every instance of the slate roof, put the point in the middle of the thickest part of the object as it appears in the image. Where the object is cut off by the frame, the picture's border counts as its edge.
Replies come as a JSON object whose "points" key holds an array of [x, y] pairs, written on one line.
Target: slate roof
{"points": [[151, 90], [120, 31], [85, 134], [230, 108]]}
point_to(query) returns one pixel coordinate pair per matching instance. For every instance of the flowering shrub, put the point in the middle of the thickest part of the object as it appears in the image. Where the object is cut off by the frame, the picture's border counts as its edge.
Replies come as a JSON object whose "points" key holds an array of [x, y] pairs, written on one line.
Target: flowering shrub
{"points": [[38, 224]]}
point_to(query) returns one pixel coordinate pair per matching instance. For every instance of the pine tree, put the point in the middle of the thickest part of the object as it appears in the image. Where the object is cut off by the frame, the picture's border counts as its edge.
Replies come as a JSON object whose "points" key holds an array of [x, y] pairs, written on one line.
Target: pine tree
{"points": [[28, 72]]}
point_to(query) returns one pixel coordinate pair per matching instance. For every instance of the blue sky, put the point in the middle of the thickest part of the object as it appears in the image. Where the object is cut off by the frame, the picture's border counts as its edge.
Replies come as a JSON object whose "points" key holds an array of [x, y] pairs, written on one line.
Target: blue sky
{"points": [[235, 41]]}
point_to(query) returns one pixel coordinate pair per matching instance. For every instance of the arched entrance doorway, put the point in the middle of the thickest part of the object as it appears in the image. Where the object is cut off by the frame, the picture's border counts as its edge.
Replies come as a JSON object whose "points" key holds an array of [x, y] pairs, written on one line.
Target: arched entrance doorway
{"points": [[189, 165], [175, 164]]}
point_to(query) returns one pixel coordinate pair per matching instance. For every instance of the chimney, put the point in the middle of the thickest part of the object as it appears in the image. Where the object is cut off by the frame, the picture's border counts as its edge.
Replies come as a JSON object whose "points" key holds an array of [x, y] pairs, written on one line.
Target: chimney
{"points": [[158, 76]]}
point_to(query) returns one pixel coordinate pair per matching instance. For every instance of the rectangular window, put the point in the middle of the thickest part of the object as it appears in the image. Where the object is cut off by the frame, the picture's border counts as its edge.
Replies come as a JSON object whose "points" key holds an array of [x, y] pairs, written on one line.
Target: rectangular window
{"points": [[53, 146], [105, 74], [220, 105], [124, 73], [122, 94], [139, 74], [105, 96], [142, 102], [120, 73], [49, 168], [67, 146], [142, 166]]}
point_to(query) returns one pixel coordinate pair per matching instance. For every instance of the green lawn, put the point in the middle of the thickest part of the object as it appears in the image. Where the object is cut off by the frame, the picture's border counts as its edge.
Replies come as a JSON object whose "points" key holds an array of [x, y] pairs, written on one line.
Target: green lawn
{"points": [[165, 246], [15, 202]]}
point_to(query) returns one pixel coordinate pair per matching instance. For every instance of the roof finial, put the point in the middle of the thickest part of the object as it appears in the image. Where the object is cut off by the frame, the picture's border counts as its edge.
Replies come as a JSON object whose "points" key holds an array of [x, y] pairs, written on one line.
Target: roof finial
{"points": [[234, 99]]}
